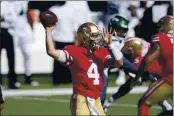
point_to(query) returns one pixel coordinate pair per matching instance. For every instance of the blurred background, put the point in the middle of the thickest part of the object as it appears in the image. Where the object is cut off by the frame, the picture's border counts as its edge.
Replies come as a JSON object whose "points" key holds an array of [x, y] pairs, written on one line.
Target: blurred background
{"points": [[29, 71]]}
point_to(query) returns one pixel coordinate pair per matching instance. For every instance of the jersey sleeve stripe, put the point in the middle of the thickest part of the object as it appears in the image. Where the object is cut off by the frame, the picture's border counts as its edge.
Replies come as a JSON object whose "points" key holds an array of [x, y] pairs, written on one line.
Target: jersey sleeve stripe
{"points": [[108, 56], [66, 55], [68, 58], [155, 40]]}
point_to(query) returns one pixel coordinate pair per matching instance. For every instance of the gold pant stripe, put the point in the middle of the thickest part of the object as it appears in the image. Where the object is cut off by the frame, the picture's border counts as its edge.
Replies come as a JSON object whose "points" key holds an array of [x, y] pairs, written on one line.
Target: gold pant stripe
{"points": [[159, 91], [152, 89], [73, 104]]}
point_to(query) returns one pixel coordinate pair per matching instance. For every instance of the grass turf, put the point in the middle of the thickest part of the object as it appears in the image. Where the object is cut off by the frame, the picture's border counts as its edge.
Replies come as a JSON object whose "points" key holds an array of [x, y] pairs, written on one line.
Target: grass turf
{"points": [[46, 82], [60, 105]]}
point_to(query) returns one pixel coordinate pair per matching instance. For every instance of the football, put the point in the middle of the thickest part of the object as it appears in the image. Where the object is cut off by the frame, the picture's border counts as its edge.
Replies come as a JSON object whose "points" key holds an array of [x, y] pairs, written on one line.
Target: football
{"points": [[48, 18]]}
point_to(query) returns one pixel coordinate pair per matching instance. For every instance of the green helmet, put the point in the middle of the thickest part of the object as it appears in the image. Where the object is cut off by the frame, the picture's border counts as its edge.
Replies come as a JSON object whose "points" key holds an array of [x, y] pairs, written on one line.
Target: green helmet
{"points": [[119, 23]]}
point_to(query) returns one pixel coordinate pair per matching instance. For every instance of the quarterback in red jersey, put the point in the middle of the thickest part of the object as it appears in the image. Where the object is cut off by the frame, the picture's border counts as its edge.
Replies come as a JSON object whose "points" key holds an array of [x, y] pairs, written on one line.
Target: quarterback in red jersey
{"points": [[86, 60], [161, 50]]}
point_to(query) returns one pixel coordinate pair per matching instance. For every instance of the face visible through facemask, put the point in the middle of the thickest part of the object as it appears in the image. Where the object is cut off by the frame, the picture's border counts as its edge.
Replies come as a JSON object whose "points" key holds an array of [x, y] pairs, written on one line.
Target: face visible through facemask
{"points": [[96, 44], [94, 41], [119, 33]]}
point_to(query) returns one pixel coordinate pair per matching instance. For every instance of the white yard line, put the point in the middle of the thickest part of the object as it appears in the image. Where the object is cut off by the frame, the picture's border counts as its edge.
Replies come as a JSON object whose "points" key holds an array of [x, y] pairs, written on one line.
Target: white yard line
{"points": [[61, 91], [68, 101]]}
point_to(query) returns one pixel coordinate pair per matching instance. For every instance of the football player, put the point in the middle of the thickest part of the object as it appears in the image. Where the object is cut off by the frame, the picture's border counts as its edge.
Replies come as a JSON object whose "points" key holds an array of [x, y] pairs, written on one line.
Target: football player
{"points": [[1, 99], [86, 60], [161, 50], [136, 48], [22, 34], [120, 25]]}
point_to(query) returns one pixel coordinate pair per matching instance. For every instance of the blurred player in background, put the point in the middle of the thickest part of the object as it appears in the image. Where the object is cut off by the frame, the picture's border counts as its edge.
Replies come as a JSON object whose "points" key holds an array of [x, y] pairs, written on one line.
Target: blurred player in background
{"points": [[120, 25], [1, 98], [8, 17], [22, 33], [161, 50], [86, 60], [135, 49]]}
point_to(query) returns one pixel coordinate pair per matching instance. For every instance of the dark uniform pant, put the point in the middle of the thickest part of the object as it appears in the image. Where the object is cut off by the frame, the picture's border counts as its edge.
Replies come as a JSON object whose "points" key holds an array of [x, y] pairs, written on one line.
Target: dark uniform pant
{"points": [[6, 42]]}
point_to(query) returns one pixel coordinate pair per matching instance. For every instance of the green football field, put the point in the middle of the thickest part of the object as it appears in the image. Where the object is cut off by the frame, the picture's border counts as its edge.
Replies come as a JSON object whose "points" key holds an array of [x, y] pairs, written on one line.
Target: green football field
{"points": [[60, 104]]}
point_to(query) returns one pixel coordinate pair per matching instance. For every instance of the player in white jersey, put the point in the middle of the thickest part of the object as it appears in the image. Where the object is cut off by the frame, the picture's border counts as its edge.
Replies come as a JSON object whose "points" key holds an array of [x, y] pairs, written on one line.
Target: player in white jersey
{"points": [[121, 79], [22, 33], [120, 25], [118, 40]]}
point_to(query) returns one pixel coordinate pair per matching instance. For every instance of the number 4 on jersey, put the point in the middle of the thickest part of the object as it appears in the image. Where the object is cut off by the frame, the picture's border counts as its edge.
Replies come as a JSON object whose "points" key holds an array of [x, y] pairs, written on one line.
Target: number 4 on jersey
{"points": [[93, 73]]}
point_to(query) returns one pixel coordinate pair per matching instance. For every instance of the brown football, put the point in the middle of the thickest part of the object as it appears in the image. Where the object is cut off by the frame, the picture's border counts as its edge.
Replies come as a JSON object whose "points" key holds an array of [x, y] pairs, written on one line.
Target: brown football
{"points": [[48, 18]]}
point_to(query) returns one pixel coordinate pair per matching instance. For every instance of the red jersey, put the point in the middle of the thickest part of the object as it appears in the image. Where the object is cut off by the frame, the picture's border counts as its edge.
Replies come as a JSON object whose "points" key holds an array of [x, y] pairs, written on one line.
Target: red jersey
{"points": [[166, 55], [86, 69], [154, 67]]}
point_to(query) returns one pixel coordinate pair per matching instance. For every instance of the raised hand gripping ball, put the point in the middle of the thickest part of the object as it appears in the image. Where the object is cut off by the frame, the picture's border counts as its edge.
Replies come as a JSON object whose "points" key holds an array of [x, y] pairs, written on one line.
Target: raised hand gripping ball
{"points": [[48, 18]]}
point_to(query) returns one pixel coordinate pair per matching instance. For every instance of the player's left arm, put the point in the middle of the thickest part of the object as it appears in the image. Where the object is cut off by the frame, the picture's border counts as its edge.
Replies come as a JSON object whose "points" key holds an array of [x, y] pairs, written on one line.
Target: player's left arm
{"points": [[116, 57]]}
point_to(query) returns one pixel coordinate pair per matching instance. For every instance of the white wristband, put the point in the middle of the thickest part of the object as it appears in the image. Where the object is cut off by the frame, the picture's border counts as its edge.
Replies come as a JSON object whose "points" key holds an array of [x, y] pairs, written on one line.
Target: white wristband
{"points": [[116, 53], [62, 56]]}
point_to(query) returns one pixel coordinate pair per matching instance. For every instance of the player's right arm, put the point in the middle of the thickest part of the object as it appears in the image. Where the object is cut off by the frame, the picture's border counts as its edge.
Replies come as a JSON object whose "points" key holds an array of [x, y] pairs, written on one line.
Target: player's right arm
{"points": [[50, 46]]}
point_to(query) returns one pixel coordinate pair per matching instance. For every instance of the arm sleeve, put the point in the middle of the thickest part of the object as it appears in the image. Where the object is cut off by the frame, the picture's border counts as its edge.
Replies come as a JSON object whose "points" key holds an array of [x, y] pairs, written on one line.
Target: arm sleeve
{"points": [[64, 57], [129, 67], [108, 61], [114, 53], [155, 39]]}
